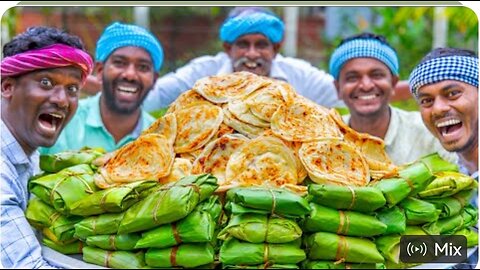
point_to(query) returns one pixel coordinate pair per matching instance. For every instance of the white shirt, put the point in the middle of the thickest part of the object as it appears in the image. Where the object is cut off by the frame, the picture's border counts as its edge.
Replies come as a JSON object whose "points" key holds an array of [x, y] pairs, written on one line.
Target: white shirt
{"points": [[407, 139], [306, 79]]}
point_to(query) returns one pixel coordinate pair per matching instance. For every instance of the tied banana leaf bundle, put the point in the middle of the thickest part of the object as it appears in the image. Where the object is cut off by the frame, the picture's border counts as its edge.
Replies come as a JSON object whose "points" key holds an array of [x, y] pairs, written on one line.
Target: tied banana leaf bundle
{"points": [[453, 205], [256, 228], [114, 259], [468, 217], [394, 218], [308, 264], [112, 200], [280, 202], [70, 248], [418, 211], [61, 190], [56, 162], [43, 217], [261, 266], [470, 234], [197, 227], [236, 252], [184, 255], [447, 184], [324, 219], [168, 203], [114, 242], [213, 206], [333, 247], [436, 163], [98, 225], [360, 199]]}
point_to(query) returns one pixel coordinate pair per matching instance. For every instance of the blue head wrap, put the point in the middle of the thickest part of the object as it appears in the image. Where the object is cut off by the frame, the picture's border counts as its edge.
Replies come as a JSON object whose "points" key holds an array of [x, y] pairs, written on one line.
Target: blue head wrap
{"points": [[252, 21], [119, 35], [458, 68], [363, 47]]}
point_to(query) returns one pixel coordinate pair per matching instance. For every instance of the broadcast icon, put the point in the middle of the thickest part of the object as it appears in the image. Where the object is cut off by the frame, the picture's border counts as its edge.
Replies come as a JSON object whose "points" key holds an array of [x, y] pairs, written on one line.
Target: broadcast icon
{"points": [[433, 248], [413, 249]]}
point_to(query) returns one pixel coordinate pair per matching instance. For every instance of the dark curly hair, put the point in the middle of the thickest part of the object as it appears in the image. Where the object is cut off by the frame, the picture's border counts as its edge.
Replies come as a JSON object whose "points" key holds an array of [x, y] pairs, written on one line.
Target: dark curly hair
{"points": [[38, 37], [443, 52], [367, 35]]}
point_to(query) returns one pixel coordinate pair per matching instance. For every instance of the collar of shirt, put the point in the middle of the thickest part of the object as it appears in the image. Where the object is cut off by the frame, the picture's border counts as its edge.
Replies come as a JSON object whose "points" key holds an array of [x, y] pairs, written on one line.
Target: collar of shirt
{"points": [[94, 119], [11, 145], [275, 72]]}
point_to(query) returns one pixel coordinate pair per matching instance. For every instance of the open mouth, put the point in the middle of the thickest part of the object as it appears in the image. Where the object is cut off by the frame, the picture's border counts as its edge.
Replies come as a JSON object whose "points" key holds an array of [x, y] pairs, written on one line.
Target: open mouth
{"points": [[367, 97], [50, 122], [252, 64], [447, 127], [127, 89]]}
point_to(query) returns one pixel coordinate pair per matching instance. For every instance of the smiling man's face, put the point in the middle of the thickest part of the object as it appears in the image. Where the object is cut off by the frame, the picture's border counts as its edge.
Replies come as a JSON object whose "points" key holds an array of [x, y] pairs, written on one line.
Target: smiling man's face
{"points": [[450, 111]]}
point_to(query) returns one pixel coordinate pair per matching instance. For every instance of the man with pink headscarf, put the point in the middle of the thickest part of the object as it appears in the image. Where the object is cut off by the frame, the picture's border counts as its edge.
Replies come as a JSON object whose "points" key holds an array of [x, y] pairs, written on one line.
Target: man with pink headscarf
{"points": [[42, 72]]}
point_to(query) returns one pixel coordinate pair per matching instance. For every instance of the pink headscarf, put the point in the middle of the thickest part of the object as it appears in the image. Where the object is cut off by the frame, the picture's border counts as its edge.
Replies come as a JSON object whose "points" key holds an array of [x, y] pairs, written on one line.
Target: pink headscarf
{"points": [[53, 56]]}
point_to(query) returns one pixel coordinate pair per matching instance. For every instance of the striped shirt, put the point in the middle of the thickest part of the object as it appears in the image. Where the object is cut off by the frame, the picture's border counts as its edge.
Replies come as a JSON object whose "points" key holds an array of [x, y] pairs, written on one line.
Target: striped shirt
{"points": [[19, 246]]}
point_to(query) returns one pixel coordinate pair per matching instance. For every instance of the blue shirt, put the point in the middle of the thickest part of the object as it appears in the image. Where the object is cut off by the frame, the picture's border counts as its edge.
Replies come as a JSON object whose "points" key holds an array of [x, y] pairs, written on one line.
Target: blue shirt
{"points": [[306, 79], [19, 246], [86, 128]]}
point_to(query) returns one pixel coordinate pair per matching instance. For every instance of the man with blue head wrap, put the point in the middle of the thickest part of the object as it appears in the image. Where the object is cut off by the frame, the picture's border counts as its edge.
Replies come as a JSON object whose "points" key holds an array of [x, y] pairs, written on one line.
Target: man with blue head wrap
{"points": [[365, 68], [129, 58], [252, 38]]}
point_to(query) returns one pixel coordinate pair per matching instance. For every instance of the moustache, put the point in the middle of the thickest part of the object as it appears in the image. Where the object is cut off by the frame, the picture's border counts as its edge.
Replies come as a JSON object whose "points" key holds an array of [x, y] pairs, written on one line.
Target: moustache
{"points": [[259, 62]]}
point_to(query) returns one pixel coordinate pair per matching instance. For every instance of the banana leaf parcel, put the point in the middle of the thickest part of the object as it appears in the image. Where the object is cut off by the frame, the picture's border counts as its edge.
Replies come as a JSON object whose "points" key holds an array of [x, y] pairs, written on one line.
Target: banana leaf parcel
{"points": [[324, 219], [360, 199], [184, 255], [70, 248], [453, 205], [308, 264], [56, 162], [261, 266], [168, 203], [98, 225], [257, 228], [446, 184], [197, 227], [236, 252], [394, 218], [468, 217], [40, 215], [61, 190], [276, 201], [333, 247], [112, 200], [435, 163], [470, 234], [114, 259], [114, 241], [418, 211]]}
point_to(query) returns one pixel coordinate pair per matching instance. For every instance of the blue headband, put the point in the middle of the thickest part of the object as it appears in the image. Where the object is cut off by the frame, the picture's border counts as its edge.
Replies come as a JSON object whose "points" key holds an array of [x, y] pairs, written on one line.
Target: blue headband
{"points": [[363, 47], [119, 35], [458, 68], [250, 22]]}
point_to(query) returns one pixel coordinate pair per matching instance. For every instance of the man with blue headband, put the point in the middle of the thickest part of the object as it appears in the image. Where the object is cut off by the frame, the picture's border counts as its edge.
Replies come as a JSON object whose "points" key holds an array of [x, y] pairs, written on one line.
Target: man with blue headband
{"points": [[365, 68], [251, 38], [128, 61]]}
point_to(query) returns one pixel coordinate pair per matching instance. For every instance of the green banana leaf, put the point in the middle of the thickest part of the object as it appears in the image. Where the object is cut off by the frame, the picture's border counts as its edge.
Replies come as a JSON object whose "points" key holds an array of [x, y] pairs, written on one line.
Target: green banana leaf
{"points": [[333, 247], [70, 248], [197, 227], [168, 203], [389, 246], [112, 200], [114, 242], [470, 234], [61, 190], [236, 252], [394, 218], [435, 163], [53, 163], [276, 201], [40, 215], [324, 219], [333, 265], [256, 228], [453, 205], [418, 211], [114, 259], [447, 184], [394, 190], [213, 206], [467, 217], [184, 255], [98, 225], [261, 266], [360, 199]]}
